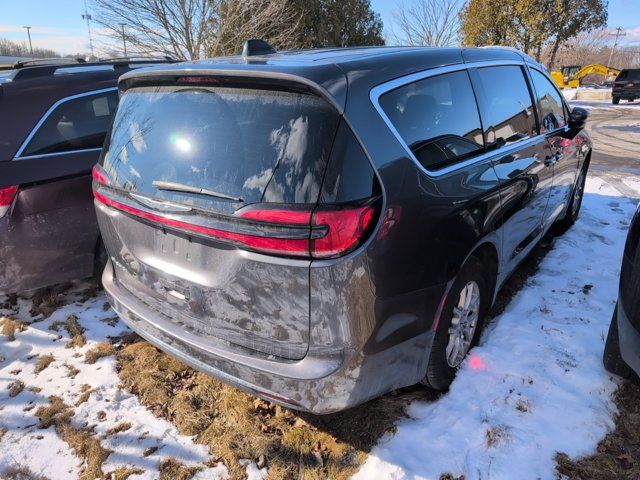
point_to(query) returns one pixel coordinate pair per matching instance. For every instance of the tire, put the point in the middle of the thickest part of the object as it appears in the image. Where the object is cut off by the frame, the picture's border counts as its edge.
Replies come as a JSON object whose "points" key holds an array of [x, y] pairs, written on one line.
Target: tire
{"points": [[616, 101], [441, 370], [612, 358], [573, 209]]}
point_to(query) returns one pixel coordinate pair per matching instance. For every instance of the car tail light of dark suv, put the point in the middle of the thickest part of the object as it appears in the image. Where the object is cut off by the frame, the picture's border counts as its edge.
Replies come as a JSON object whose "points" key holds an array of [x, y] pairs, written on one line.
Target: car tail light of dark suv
{"points": [[7, 194], [304, 231]]}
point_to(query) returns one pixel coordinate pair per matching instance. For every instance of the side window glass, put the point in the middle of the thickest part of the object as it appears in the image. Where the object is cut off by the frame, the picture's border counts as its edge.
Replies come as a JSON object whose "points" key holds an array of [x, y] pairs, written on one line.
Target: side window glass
{"points": [[510, 113], [552, 114], [437, 118], [77, 124]]}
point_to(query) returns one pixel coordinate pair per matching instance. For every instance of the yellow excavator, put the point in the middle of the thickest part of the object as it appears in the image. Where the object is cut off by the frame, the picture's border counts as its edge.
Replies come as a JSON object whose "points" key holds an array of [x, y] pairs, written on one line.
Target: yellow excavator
{"points": [[570, 76]]}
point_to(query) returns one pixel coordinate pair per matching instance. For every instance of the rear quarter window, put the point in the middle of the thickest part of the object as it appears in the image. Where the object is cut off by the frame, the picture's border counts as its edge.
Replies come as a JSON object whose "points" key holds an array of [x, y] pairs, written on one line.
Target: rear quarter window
{"points": [[256, 145], [78, 123], [437, 118]]}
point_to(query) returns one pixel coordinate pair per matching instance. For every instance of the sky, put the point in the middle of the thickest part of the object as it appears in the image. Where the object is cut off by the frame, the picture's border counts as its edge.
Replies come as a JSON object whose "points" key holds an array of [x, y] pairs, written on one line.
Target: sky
{"points": [[58, 24]]}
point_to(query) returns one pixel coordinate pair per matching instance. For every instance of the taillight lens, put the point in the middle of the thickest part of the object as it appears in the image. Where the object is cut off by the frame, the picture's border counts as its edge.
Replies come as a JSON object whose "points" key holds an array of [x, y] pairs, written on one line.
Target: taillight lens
{"points": [[98, 175], [345, 229], [7, 194], [306, 231]]}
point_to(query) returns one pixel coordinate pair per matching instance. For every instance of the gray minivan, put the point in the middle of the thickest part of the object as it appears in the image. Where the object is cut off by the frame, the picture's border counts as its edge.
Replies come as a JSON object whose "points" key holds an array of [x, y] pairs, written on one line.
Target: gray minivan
{"points": [[320, 227]]}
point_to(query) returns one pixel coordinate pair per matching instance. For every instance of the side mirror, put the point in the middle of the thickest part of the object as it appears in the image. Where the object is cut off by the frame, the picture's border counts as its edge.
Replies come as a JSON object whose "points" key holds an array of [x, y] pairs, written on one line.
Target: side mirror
{"points": [[578, 118]]}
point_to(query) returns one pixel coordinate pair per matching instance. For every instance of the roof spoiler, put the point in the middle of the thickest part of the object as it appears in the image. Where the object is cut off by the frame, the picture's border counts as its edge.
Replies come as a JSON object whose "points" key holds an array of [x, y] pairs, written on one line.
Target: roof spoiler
{"points": [[256, 47]]}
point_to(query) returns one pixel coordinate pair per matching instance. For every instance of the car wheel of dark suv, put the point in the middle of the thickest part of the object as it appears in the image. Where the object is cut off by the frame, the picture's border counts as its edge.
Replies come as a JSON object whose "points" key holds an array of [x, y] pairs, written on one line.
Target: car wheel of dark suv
{"points": [[573, 209], [460, 325]]}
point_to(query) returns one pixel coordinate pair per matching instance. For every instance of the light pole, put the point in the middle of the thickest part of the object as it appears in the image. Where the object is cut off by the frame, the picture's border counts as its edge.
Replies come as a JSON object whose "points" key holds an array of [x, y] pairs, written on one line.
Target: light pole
{"points": [[86, 16], [29, 35], [615, 44], [124, 39]]}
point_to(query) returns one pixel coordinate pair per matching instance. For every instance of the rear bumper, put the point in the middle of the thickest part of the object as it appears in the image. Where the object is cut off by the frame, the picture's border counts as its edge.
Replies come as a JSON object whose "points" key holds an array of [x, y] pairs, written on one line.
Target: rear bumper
{"points": [[627, 93], [322, 382], [629, 339]]}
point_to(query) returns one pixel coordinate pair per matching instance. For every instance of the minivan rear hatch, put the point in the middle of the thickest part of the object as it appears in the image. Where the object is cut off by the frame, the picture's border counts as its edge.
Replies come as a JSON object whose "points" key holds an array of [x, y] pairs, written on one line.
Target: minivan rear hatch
{"points": [[204, 195]]}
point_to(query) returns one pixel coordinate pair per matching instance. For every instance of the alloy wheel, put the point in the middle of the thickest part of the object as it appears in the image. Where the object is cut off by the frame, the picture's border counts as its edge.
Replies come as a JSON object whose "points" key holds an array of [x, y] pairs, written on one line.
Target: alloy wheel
{"points": [[463, 324]]}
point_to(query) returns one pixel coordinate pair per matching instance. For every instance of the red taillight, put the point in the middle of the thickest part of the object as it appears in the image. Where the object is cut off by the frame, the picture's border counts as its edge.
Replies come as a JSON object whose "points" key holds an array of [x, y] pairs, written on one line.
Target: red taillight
{"points": [[334, 231], [7, 194], [295, 247], [98, 176], [325, 232], [345, 228], [276, 215]]}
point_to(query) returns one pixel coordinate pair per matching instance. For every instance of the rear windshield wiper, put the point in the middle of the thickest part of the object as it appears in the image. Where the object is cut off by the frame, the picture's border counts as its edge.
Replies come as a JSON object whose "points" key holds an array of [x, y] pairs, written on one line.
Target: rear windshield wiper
{"points": [[181, 187]]}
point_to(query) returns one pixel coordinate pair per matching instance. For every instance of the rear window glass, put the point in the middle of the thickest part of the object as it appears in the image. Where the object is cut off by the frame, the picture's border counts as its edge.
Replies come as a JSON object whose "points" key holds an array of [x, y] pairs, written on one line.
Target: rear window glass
{"points": [[629, 75], [437, 118], [254, 145]]}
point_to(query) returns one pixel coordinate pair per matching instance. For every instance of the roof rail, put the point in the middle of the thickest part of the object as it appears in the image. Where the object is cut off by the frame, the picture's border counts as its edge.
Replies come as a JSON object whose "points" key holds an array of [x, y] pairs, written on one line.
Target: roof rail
{"points": [[34, 62], [29, 71], [133, 59]]}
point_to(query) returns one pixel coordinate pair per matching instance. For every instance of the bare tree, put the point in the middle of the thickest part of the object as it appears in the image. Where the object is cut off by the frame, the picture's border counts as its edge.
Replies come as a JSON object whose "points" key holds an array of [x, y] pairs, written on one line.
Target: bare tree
{"points": [[276, 21], [426, 22], [21, 49], [171, 27]]}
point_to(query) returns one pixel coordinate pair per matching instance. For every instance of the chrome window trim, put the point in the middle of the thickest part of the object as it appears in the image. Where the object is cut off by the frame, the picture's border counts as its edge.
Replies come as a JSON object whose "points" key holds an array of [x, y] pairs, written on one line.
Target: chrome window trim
{"points": [[379, 90], [57, 154], [18, 155]]}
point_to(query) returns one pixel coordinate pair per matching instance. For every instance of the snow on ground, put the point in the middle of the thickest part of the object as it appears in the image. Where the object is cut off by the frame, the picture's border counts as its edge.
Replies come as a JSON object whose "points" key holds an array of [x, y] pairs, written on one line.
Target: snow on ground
{"points": [[43, 450], [586, 92], [589, 105], [535, 385]]}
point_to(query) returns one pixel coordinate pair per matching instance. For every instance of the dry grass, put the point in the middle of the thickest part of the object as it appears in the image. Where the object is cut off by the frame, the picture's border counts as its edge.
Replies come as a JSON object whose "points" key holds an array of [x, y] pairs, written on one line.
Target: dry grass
{"points": [[618, 454], [85, 444], [3, 431], [20, 472], [121, 427], [171, 469], [235, 425], [85, 393], [123, 473], [103, 349], [10, 327], [71, 370], [46, 301], [43, 362], [74, 330], [15, 388]]}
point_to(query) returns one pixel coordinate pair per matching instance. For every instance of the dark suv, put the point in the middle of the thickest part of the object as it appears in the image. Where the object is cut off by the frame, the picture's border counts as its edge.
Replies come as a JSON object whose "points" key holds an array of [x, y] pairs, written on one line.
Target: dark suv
{"points": [[626, 85], [320, 227], [55, 114]]}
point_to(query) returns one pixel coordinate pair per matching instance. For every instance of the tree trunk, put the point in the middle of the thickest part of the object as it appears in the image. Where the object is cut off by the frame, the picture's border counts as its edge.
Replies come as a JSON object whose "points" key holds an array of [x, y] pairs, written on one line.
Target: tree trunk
{"points": [[554, 52]]}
